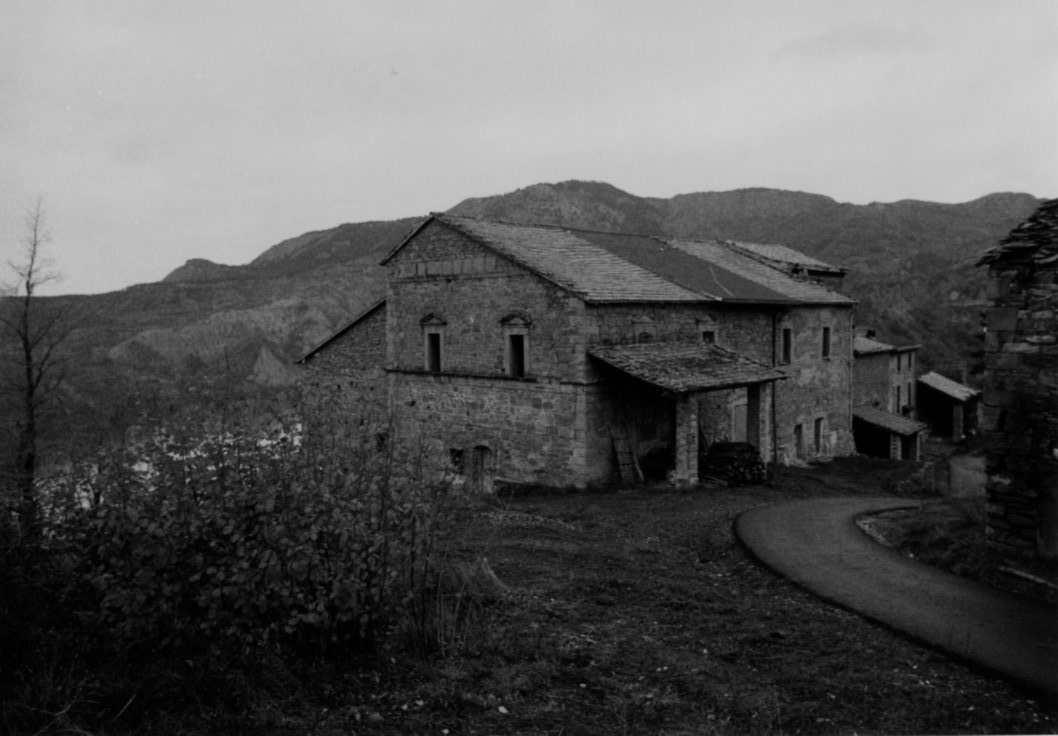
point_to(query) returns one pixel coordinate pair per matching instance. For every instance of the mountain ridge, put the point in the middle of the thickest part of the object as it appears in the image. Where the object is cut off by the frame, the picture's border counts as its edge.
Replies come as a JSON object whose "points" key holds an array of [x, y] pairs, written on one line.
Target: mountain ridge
{"points": [[910, 266]]}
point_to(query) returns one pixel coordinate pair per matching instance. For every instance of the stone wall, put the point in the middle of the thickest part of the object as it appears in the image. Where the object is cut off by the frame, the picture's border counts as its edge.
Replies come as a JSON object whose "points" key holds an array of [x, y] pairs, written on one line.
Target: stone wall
{"points": [[535, 432], [351, 368], [816, 387], [1020, 409], [471, 291]]}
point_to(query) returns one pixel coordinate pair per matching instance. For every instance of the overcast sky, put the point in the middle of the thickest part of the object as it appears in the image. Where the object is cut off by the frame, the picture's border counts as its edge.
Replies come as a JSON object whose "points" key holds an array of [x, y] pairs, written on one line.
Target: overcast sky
{"points": [[162, 131]]}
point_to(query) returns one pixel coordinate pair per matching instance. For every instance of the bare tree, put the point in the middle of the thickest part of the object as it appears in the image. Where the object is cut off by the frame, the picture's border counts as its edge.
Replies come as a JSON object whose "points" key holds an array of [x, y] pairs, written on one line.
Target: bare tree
{"points": [[33, 332]]}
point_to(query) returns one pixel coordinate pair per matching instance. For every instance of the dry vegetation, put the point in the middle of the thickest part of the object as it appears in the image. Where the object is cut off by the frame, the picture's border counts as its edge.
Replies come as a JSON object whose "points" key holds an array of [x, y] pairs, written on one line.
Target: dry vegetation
{"points": [[637, 612], [604, 613]]}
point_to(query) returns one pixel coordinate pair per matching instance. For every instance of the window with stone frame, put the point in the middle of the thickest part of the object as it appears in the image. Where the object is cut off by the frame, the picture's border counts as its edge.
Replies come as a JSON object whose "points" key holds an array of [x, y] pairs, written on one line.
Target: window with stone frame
{"points": [[433, 330], [708, 331], [786, 353], [644, 329], [826, 343], [516, 327]]}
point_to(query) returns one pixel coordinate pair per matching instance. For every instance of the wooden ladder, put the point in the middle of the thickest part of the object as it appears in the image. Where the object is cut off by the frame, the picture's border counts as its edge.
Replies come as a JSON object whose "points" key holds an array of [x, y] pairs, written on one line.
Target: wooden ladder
{"points": [[626, 459]]}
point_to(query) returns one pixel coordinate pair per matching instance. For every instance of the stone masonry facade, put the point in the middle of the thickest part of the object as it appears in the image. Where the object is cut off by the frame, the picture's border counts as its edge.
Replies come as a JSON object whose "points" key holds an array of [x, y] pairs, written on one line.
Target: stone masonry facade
{"points": [[1020, 412], [486, 362]]}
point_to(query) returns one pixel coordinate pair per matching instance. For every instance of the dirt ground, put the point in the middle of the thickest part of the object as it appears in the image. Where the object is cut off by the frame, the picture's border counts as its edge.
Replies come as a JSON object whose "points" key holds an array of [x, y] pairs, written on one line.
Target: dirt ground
{"points": [[638, 613]]}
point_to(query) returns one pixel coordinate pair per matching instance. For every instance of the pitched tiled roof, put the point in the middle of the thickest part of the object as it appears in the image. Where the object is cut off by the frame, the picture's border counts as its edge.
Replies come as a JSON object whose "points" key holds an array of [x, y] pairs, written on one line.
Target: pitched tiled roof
{"points": [[1036, 239], [867, 346], [785, 258], [381, 304], [887, 420], [685, 366], [954, 389], [616, 267], [574, 263], [740, 278]]}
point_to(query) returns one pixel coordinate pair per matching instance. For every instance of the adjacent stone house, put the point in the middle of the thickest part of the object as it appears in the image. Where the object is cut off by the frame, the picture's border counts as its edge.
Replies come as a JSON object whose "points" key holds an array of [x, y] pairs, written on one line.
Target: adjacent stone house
{"points": [[546, 355], [883, 399], [1020, 413]]}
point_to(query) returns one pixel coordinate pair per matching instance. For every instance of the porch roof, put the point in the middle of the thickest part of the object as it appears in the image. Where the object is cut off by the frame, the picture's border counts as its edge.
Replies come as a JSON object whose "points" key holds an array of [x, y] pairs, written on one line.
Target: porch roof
{"points": [[682, 367], [887, 420]]}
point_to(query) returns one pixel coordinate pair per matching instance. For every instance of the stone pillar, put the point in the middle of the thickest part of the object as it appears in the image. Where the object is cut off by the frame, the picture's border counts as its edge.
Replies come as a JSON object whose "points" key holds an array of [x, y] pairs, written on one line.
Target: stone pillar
{"points": [[686, 440]]}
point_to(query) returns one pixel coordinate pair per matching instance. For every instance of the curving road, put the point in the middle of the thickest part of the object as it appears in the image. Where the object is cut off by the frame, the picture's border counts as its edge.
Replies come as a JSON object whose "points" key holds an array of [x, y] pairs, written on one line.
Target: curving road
{"points": [[817, 544]]}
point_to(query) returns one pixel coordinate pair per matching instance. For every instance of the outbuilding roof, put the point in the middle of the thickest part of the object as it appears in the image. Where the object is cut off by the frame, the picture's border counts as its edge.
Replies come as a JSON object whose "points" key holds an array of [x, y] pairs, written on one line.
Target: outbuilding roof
{"points": [[954, 389], [887, 420], [681, 367], [605, 267]]}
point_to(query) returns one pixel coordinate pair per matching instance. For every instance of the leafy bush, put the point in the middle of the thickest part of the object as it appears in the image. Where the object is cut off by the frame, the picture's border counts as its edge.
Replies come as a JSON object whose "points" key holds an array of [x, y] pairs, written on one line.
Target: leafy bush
{"points": [[202, 540]]}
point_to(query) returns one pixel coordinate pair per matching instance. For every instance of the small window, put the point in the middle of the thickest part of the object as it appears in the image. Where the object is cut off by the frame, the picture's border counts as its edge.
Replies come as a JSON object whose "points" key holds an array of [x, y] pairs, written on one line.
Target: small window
{"points": [[709, 337], [826, 342], [817, 435], [799, 440], [456, 459], [644, 329], [433, 342], [910, 398], [433, 352], [898, 402], [787, 346], [516, 355]]}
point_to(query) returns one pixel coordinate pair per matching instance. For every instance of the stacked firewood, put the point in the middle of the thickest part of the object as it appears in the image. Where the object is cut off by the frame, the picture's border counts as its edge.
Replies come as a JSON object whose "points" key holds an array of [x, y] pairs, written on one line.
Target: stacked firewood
{"points": [[736, 463]]}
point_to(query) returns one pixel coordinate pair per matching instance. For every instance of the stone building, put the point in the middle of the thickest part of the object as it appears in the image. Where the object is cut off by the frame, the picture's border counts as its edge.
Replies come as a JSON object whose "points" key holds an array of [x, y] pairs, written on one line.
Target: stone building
{"points": [[949, 407], [1020, 414], [553, 356], [883, 399]]}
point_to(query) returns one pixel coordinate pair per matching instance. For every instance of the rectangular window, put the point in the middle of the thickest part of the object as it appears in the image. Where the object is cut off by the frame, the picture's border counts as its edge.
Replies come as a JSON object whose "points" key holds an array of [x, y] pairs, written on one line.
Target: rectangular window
{"points": [[910, 398], [817, 435], [709, 337], [799, 440], [516, 356], [433, 352], [898, 403], [787, 346], [826, 342]]}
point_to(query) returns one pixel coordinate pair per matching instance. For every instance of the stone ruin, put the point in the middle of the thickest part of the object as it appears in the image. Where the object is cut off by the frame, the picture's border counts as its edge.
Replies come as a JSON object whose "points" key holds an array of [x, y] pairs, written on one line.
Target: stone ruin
{"points": [[1021, 388]]}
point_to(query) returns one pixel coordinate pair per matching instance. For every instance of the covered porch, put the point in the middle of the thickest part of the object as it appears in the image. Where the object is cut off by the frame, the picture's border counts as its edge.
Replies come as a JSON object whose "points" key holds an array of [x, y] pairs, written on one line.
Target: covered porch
{"points": [[705, 393]]}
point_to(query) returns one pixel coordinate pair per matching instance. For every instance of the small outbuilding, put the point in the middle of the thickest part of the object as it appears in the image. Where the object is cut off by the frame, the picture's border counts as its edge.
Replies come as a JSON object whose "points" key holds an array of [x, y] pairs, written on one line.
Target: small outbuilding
{"points": [[949, 407], [881, 433]]}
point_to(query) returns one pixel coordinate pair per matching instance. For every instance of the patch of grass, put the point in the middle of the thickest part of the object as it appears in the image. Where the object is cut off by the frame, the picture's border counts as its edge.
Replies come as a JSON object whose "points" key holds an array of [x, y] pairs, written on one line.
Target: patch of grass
{"points": [[949, 533]]}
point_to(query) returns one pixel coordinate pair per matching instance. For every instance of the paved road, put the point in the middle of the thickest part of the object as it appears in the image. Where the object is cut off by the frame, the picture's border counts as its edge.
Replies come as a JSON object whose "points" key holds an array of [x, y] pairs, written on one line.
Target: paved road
{"points": [[817, 544]]}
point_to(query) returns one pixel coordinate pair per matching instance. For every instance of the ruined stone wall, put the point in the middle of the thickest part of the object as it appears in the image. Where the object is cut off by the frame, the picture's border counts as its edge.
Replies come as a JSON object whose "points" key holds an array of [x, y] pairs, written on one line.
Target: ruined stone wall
{"points": [[1020, 427]]}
